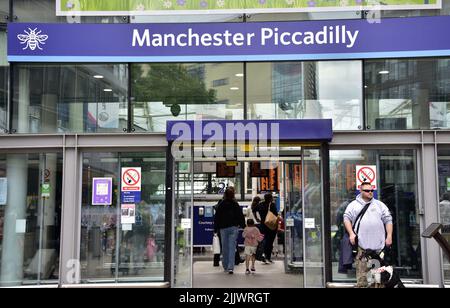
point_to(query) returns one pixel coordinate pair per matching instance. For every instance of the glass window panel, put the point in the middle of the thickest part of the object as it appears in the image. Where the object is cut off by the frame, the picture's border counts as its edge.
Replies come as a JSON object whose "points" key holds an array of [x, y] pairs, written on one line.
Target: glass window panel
{"points": [[303, 16], [30, 218], [397, 188], [139, 246], [4, 10], [183, 250], [169, 91], [407, 93], [306, 90], [4, 82], [207, 182], [53, 98], [293, 177], [445, 10], [36, 11], [444, 200], [186, 18], [45, 11], [313, 209]]}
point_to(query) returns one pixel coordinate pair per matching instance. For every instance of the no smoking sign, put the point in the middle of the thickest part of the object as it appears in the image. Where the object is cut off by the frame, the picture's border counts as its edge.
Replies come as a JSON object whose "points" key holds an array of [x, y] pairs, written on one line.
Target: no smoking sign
{"points": [[366, 174], [131, 179]]}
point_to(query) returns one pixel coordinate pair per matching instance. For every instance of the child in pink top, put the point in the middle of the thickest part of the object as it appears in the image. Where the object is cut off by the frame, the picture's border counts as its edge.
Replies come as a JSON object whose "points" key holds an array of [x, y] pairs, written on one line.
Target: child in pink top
{"points": [[251, 236]]}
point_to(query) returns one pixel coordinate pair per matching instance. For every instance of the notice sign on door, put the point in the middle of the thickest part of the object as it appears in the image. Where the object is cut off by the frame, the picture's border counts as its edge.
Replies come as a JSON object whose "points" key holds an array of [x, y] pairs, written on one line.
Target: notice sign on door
{"points": [[131, 185], [128, 214], [101, 191], [131, 179], [366, 173]]}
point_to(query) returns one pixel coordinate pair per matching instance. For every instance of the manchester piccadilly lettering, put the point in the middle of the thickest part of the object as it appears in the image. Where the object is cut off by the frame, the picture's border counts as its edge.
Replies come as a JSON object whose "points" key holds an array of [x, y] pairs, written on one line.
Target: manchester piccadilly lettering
{"points": [[267, 36]]}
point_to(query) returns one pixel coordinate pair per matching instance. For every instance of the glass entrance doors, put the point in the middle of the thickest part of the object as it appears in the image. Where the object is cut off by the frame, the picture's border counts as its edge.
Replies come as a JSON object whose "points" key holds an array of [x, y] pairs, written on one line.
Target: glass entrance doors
{"points": [[294, 179], [303, 204], [122, 240]]}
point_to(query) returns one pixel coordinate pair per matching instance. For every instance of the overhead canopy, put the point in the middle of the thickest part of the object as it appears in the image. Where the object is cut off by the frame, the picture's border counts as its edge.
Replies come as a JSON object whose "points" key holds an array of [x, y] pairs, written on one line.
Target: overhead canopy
{"points": [[246, 130]]}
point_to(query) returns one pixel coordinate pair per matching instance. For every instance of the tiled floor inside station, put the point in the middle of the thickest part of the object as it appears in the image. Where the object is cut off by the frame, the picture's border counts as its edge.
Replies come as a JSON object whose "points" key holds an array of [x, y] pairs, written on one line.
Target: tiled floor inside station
{"points": [[266, 276]]}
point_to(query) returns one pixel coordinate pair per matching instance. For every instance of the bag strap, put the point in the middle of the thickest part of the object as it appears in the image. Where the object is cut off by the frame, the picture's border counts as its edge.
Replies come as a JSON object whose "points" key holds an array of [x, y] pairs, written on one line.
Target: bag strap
{"points": [[360, 216]]}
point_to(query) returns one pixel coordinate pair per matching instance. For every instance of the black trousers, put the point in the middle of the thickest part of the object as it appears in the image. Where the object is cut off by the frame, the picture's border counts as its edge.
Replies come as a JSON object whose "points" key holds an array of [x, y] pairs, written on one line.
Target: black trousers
{"points": [[269, 238]]}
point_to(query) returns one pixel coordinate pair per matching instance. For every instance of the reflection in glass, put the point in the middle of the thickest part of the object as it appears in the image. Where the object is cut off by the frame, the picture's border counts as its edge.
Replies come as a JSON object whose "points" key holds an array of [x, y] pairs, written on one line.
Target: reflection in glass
{"points": [[52, 98], [192, 18], [445, 10], [294, 213], [407, 93], [303, 16], [306, 90], [397, 188], [4, 82], [45, 11], [36, 11], [113, 250], [444, 200], [169, 91], [313, 229], [182, 214], [30, 218], [4, 8]]}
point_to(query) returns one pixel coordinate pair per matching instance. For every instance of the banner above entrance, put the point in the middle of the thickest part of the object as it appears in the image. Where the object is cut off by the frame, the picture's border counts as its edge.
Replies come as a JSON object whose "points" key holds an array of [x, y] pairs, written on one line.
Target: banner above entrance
{"points": [[208, 42], [179, 7], [244, 130]]}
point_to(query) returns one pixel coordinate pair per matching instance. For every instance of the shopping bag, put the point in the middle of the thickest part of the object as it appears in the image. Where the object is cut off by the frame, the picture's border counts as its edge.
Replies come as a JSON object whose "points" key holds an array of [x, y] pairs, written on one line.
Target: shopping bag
{"points": [[271, 221], [216, 244]]}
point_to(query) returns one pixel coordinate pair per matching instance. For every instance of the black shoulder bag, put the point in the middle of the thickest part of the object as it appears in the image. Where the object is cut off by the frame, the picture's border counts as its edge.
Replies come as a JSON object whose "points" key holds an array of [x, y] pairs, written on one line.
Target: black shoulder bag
{"points": [[358, 218]]}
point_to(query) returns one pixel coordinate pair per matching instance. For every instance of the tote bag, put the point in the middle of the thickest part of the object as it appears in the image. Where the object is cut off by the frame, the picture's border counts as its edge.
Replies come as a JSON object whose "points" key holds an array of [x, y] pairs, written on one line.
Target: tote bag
{"points": [[271, 221]]}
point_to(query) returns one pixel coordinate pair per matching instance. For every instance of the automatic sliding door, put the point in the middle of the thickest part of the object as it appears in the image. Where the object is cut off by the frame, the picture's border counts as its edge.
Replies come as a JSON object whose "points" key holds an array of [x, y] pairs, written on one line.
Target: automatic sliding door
{"points": [[293, 218], [182, 229], [313, 222], [304, 223]]}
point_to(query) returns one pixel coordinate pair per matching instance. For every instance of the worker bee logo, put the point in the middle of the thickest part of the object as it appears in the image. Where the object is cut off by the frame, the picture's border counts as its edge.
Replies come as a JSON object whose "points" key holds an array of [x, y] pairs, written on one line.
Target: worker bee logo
{"points": [[32, 39]]}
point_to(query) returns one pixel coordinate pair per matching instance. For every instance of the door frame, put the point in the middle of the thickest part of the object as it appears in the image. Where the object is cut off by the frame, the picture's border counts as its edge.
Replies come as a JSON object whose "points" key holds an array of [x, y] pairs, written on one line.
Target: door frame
{"points": [[169, 273]]}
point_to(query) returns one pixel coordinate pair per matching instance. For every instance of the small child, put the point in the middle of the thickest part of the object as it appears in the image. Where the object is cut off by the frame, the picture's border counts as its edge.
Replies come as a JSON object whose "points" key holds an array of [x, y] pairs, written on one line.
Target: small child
{"points": [[251, 236]]}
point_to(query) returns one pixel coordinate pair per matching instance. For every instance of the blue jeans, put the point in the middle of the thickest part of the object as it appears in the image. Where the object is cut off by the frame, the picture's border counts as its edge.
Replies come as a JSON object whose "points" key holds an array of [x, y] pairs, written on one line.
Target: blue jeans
{"points": [[229, 236]]}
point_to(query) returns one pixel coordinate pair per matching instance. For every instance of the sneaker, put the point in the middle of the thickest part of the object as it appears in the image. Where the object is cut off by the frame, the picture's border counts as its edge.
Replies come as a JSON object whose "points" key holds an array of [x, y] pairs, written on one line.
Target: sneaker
{"points": [[253, 269], [230, 272], [247, 272]]}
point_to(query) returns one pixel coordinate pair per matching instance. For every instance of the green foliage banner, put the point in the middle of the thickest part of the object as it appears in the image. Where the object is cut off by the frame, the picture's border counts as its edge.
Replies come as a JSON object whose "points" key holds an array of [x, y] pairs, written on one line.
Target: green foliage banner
{"points": [[152, 7]]}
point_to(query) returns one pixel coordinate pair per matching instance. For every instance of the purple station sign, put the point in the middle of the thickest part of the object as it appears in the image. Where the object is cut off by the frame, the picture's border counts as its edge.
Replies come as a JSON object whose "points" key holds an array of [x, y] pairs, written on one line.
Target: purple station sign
{"points": [[101, 191], [205, 42], [248, 130]]}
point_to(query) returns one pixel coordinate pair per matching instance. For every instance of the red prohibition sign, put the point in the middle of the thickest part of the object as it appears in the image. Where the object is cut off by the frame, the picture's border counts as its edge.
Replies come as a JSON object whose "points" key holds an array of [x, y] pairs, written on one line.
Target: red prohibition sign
{"points": [[366, 174], [129, 179]]}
